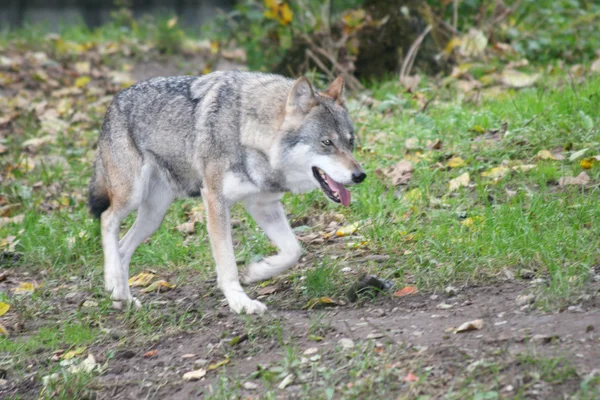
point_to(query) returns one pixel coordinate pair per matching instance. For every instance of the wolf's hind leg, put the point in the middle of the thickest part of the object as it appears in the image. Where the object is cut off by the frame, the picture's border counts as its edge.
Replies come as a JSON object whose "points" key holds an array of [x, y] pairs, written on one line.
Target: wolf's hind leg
{"points": [[115, 276], [269, 214], [149, 217]]}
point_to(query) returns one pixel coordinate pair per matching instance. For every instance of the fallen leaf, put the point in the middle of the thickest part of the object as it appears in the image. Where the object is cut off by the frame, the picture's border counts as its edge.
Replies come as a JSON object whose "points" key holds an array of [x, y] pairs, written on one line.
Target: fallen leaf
{"points": [[410, 378], [142, 279], [401, 173], [410, 82], [238, 339], [406, 291], [517, 79], [4, 307], [37, 142], [17, 219], [496, 172], [72, 353], [158, 286], [461, 181], [4, 331], [587, 163], [286, 382], [187, 228], [413, 195], [219, 364], [151, 353], [194, 375], [434, 145], [347, 230], [470, 326], [321, 302], [26, 287], [411, 143], [455, 162], [267, 290], [580, 179], [172, 22], [524, 167], [546, 155], [82, 81], [577, 155]]}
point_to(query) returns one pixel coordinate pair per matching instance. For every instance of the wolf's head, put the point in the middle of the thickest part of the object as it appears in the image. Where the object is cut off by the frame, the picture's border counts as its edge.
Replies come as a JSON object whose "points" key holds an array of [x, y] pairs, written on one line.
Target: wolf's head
{"points": [[318, 140]]}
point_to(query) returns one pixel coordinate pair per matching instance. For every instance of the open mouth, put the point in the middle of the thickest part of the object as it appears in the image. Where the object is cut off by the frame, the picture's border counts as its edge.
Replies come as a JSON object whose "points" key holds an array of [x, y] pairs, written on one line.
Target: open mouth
{"points": [[335, 191]]}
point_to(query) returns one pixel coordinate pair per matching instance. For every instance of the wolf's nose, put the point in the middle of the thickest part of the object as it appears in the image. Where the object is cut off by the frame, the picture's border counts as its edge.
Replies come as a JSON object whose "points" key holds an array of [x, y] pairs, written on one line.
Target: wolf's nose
{"points": [[358, 178]]}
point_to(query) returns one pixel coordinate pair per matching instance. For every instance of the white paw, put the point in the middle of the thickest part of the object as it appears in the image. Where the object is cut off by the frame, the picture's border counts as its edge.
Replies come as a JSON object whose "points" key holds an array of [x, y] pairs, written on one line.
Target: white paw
{"points": [[131, 301], [240, 303]]}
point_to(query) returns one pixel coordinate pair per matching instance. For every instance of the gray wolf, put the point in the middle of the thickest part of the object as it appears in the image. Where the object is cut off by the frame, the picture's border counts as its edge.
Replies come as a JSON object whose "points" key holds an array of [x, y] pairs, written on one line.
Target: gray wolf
{"points": [[227, 137]]}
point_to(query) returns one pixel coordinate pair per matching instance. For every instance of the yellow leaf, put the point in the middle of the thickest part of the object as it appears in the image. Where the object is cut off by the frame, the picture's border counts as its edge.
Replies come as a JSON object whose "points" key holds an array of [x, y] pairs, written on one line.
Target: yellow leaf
{"points": [[455, 162], [219, 364], [82, 81], [496, 173], [452, 44], [172, 22], [26, 287], [471, 221], [321, 302], [3, 331], [4, 307], [413, 195], [347, 230], [76, 352], [142, 279], [286, 14], [214, 47], [587, 163], [461, 181], [158, 286]]}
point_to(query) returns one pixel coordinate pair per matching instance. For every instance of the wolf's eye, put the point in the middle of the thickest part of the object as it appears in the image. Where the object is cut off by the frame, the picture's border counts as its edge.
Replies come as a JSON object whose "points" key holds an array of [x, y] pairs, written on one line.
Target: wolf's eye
{"points": [[327, 142]]}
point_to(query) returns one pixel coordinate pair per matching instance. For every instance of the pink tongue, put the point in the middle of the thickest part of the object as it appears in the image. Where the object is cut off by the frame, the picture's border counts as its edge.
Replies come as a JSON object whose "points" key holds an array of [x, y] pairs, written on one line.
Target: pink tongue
{"points": [[340, 190]]}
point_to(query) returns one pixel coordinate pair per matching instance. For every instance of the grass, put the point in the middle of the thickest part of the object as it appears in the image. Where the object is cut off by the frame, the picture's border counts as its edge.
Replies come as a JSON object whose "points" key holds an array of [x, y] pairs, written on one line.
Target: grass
{"points": [[522, 224]]}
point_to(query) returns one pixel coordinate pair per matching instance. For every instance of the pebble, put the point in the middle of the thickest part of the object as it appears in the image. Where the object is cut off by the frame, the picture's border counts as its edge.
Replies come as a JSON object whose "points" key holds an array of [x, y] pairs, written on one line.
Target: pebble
{"points": [[378, 312], [346, 270], [451, 291], [374, 335], [286, 382], [525, 299], [201, 362], [89, 304], [194, 375], [346, 343], [250, 386], [310, 351]]}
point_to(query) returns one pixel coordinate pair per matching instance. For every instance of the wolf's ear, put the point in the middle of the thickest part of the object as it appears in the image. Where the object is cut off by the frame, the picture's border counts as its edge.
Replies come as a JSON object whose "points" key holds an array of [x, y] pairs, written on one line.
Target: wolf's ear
{"points": [[335, 90], [301, 97]]}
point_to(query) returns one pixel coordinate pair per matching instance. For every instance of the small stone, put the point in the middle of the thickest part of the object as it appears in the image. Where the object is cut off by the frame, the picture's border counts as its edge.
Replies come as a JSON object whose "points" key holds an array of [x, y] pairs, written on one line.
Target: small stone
{"points": [[346, 343], [188, 356], [250, 386], [374, 335], [201, 362], [575, 309], [311, 351], [444, 306], [378, 312], [525, 299], [346, 270], [315, 358], [434, 297], [194, 375], [417, 333]]}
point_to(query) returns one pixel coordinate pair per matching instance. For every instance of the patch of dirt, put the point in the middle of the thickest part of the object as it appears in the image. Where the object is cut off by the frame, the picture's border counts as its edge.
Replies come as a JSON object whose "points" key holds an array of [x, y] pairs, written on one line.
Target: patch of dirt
{"points": [[422, 323]]}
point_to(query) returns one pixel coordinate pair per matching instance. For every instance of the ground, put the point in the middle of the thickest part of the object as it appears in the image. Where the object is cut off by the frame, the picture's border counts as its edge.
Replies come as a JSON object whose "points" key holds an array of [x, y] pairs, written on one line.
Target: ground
{"points": [[481, 205]]}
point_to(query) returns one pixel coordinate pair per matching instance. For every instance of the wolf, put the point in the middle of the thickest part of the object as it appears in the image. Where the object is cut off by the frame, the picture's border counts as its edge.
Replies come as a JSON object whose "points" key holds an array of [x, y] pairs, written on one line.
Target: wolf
{"points": [[226, 137]]}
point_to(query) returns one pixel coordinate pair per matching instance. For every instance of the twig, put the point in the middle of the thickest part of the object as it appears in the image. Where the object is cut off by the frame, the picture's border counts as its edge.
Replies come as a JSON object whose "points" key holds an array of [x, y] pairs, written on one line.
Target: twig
{"points": [[408, 62], [426, 105], [455, 14], [319, 63]]}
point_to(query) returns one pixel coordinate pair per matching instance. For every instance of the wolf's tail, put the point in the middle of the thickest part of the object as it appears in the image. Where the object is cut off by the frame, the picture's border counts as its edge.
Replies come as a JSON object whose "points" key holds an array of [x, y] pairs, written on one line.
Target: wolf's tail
{"points": [[99, 200]]}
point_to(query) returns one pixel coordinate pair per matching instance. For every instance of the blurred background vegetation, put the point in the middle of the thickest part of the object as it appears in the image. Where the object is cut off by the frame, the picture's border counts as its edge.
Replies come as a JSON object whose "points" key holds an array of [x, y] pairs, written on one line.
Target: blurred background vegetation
{"points": [[366, 39]]}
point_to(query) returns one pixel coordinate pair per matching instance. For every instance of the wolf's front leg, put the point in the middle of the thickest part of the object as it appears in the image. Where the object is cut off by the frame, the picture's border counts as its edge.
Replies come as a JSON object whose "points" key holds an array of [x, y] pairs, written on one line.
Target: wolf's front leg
{"points": [[219, 232], [269, 214]]}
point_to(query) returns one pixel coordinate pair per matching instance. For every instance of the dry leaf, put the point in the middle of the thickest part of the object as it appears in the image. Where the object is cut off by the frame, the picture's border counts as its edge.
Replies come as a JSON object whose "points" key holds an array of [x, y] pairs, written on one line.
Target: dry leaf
{"points": [[524, 167], [496, 172], [434, 145], [411, 143], [455, 162], [158, 286], [187, 228], [17, 219], [517, 79], [219, 364], [194, 375], [321, 302], [587, 163], [142, 279], [470, 326], [151, 353], [4, 331], [267, 290], [76, 352], [401, 173], [37, 142], [580, 179], [546, 155], [406, 291], [410, 378], [347, 230], [26, 287], [4, 307], [461, 181], [410, 82]]}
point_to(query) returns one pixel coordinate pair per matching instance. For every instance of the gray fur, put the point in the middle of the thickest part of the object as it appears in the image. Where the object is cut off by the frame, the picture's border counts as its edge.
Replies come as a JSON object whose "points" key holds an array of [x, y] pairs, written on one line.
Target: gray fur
{"points": [[172, 137]]}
